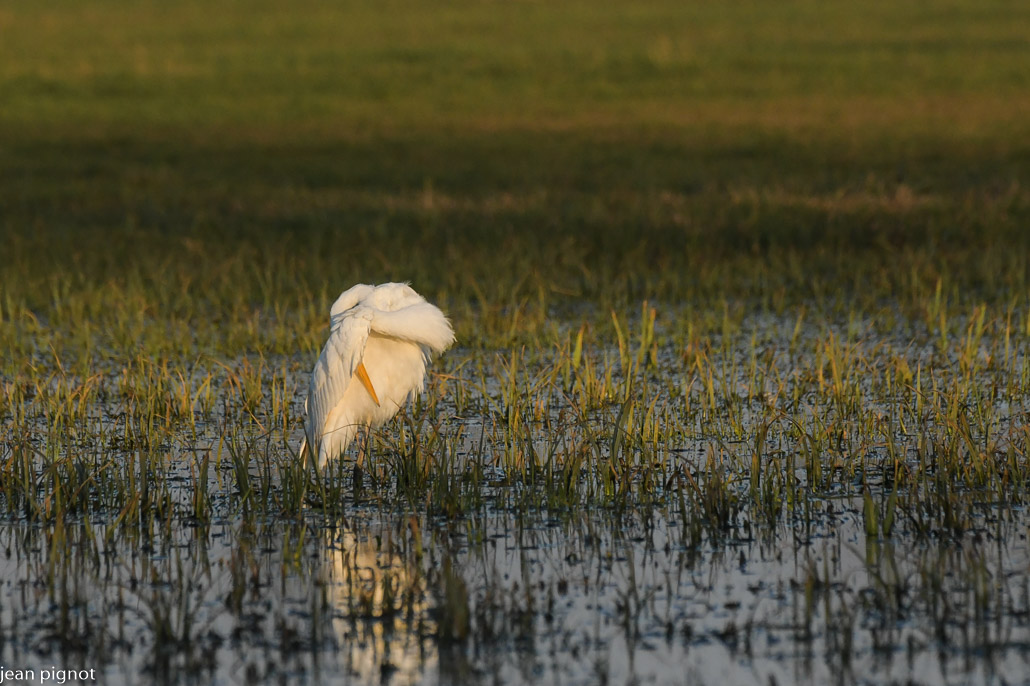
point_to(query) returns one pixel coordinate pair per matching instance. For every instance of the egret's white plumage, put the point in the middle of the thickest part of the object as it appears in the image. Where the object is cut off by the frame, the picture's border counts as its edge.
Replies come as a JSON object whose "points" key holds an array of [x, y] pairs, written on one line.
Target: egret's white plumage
{"points": [[380, 340]]}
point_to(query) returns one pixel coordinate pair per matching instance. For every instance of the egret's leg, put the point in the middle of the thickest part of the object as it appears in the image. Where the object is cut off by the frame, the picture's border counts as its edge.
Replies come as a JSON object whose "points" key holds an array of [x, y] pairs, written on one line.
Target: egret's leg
{"points": [[358, 471], [364, 446]]}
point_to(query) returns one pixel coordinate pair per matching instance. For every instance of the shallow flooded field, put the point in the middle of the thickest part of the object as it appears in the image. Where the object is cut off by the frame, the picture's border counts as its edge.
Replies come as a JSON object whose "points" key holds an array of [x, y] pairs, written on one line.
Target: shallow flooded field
{"points": [[781, 501], [591, 598]]}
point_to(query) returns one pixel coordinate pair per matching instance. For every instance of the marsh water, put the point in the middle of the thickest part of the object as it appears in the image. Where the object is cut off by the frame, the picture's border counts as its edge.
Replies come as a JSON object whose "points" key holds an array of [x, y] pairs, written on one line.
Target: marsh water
{"points": [[579, 598], [720, 566]]}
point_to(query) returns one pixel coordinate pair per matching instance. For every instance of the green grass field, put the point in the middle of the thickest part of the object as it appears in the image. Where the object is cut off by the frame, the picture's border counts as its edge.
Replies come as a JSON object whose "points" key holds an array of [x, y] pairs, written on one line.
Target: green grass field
{"points": [[727, 279], [615, 153], [720, 130]]}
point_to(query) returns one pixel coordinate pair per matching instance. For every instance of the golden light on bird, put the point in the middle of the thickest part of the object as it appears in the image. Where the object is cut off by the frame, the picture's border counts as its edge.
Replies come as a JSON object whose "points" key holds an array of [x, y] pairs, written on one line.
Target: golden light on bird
{"points": [[384, 337]]}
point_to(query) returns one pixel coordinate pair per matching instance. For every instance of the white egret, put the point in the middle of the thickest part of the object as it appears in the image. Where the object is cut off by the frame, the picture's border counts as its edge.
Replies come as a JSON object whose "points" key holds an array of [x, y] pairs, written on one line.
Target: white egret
{"points": [[382, 337]]}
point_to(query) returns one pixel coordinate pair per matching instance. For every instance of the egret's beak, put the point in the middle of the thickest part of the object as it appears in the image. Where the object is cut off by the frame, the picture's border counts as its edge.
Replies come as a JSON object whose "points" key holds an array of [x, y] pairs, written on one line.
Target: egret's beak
{"points": [[366, 382]]}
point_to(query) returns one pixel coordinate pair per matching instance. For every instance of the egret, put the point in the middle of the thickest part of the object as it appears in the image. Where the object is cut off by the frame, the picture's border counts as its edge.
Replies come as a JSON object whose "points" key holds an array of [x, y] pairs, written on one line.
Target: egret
{"points": [[380, 340]]}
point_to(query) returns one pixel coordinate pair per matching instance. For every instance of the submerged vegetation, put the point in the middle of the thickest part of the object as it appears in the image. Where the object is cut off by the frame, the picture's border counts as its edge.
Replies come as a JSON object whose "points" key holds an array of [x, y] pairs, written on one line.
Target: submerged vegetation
{"points": [[742, 382]]}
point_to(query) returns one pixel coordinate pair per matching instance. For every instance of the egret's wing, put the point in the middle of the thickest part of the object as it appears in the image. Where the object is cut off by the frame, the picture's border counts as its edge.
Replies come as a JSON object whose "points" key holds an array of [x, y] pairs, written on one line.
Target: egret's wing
{"points": [[421, 323], [332, 374]]}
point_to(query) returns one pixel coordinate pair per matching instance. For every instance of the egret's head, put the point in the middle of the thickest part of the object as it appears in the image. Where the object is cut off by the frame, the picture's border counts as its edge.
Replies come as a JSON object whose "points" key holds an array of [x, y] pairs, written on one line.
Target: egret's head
{"points": [[349, 298]]}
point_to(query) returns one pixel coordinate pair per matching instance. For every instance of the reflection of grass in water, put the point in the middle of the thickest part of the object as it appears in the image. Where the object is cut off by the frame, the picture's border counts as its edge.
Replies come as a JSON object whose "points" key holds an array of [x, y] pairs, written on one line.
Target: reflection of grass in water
{"points": [[708, 267]]}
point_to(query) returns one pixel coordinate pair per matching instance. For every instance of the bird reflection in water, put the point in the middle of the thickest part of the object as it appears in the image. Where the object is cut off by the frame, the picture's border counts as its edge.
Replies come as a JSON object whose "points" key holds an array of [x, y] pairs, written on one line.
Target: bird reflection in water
{"points": [[378, 596]]}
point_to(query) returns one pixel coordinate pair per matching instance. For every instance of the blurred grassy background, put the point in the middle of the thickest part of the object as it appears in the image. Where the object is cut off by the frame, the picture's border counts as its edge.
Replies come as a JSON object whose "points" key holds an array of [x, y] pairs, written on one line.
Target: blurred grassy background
{"points": [[254, 153]]}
